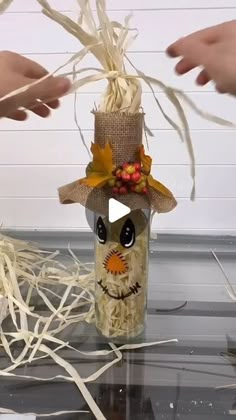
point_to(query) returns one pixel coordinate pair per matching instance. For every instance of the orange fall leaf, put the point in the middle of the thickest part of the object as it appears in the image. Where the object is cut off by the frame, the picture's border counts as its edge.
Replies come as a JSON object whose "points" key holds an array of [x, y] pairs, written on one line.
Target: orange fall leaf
{"points": [[145, 160], [159, 187]]}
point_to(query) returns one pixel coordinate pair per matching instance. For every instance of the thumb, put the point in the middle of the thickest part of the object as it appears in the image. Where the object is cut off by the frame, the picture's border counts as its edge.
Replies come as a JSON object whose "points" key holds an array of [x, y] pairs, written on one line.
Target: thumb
{"points": [[48, 89], [51, 88]]}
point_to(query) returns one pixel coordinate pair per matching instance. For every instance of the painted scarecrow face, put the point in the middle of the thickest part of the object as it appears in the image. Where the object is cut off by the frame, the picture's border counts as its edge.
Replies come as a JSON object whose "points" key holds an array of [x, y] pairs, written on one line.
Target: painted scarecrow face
{"points": [[120, 260]]}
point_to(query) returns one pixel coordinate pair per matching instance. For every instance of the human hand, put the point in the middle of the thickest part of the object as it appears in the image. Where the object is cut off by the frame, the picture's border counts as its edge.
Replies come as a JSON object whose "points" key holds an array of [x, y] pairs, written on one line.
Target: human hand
{"points": [[215, 50], [17, 71]]}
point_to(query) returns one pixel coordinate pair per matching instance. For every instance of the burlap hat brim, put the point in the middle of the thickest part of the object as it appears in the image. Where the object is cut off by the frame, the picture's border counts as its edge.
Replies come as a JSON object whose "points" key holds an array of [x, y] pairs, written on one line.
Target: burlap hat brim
{"points": [[97, 199]]}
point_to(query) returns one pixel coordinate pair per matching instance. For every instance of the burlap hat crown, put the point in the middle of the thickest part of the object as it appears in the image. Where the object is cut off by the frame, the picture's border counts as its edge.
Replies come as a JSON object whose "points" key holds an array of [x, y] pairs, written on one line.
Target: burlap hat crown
{"points": [[119, 134]]}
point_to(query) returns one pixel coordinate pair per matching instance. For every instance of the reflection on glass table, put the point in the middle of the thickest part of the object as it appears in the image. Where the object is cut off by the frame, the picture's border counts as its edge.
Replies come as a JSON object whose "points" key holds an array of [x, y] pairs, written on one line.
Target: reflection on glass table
{"points": [[188, 300]]}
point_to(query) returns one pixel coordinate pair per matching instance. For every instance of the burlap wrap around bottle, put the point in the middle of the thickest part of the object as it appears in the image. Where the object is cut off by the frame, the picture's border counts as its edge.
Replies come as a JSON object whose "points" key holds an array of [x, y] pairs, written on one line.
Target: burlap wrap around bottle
{"points": [[124, 133]]}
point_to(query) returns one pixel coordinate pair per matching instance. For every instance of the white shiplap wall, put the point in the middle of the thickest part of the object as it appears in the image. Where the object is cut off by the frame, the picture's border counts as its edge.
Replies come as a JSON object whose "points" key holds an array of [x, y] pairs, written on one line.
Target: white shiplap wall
{"points": [[39, 155]]}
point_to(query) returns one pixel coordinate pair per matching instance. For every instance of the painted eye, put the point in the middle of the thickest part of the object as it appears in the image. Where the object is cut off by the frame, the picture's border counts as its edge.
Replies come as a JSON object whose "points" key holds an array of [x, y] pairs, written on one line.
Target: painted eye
{"points": [[101, 231], [127, 236]]}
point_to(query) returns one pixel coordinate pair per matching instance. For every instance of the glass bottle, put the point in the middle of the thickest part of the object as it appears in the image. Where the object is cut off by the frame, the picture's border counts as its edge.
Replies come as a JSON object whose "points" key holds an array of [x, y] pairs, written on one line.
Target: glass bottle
{"points": [[121, 273]]}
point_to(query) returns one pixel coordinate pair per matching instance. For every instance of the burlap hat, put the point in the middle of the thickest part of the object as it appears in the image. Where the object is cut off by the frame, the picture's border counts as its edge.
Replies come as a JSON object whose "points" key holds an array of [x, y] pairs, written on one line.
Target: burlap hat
{"points": [[117, 140]]}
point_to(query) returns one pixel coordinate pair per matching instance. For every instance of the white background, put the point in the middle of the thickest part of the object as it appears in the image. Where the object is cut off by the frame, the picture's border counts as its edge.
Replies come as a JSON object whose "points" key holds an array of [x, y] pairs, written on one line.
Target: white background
{"points": [[38, 156]]}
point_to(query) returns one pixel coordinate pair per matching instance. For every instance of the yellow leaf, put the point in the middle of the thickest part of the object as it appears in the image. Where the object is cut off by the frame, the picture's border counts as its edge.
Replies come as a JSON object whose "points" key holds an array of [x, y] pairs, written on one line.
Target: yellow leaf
{"points": [[146, 161], [95, 180], [159, 187], [99, 171], [89, 169], [102, 159]]}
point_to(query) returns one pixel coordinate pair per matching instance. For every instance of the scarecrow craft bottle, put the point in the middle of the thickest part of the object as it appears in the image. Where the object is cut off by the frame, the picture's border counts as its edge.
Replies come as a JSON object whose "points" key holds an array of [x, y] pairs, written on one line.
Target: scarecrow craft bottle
{"points": [[121, 267], [120, 169]]}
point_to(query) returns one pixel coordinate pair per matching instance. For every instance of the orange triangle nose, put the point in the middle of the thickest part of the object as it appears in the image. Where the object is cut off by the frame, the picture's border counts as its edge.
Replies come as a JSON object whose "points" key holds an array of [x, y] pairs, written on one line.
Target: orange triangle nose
{"points": [[115, 263]]}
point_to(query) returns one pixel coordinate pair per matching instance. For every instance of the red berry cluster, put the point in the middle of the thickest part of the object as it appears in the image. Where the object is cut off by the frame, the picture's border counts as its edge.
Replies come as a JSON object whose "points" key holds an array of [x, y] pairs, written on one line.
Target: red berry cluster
{"points": [[129, 178]]}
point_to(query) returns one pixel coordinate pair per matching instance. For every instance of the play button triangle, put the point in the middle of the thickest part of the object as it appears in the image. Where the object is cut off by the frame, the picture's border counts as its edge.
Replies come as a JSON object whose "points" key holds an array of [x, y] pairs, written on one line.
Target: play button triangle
{"points": [[117, 210]]}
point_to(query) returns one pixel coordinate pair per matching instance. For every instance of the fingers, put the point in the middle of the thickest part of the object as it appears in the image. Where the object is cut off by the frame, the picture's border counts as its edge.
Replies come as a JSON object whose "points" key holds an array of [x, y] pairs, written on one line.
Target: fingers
{"points": [[43, 110], [44, 92], [48, 89], [27, 67], [203, 78], [206, 36], [184, 66], [39, 109], [174, 49], [221, 89], [193, 53], [28, 71], [34, 70], [18, 116], [53, 104], [51, 88]]}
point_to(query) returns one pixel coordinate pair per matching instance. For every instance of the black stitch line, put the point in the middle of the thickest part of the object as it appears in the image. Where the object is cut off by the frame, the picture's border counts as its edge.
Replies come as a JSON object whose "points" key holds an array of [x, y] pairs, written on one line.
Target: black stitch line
{"points": [[133, 291]]}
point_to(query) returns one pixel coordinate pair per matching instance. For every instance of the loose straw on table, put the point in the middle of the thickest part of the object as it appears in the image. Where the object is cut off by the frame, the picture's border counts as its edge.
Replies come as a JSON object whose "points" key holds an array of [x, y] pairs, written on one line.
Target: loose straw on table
{"points": [[25, 269]]}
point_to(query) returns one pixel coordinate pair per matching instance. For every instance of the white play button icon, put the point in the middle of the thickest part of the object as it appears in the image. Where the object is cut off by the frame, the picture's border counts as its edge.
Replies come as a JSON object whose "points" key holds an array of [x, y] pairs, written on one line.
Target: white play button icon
{"points": [[117, 210]]}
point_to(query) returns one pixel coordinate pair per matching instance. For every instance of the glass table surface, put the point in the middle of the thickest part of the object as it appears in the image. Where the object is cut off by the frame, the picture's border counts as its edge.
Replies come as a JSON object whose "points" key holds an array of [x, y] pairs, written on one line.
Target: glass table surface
{"points": [[188, 301]]}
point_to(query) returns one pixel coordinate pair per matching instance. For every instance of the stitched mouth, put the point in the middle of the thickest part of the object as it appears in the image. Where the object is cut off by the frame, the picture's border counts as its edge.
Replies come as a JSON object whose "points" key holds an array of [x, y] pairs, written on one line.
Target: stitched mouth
{"points": [[133, 290]]}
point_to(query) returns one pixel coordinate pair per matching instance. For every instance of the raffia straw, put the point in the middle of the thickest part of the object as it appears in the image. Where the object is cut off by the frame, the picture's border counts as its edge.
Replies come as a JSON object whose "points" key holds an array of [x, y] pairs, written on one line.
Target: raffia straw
{"points": [[18, 260], [56, 413], [232, 386], [230, 288], [109, 44], [4, 4], [77, 380]]}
